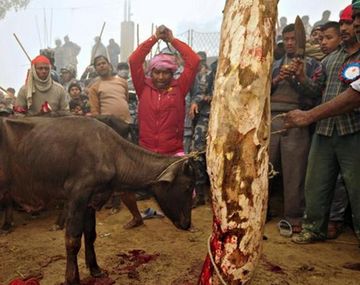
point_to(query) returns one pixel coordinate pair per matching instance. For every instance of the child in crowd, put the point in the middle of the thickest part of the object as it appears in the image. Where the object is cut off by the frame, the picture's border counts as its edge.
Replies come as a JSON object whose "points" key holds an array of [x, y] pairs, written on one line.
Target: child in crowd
{"points": [[79, 103]]}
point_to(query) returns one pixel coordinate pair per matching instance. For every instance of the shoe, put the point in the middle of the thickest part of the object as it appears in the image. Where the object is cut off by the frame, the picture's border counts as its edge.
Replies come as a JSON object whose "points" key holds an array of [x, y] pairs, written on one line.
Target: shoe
{"points": [[151, 213], [334, 229], [306, 237]]}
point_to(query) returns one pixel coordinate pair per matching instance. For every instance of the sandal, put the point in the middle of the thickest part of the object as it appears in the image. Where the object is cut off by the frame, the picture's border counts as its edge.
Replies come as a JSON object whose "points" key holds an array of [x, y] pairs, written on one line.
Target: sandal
{"points": [[151, 213], [285, 228], [306, 237]]}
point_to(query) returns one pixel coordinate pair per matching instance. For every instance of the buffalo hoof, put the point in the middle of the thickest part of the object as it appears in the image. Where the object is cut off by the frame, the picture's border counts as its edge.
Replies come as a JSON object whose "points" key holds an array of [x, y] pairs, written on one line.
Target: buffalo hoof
{"points": [[98, 273], [5, 229]]}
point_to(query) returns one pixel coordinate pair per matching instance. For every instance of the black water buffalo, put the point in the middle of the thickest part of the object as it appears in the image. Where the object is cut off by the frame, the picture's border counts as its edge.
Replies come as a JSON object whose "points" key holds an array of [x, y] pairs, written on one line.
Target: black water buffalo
{"points": [[84, 160], [119, 126]]}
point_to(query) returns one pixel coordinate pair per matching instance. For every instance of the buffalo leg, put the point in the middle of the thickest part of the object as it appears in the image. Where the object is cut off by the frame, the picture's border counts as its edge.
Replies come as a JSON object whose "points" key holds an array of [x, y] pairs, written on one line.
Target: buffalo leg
{"points": [[89, 238], [8, 214], [74, 229]]}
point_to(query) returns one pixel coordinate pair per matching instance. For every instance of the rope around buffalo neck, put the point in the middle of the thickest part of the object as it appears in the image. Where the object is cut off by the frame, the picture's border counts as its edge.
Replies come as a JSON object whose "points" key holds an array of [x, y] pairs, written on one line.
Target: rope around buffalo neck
{"points": [[213, 263], [194, 154]]}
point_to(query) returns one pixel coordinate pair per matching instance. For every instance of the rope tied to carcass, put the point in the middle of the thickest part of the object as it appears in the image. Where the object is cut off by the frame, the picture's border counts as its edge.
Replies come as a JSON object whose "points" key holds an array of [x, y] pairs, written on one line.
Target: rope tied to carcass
{"points": [[272, 171], [277, 117], [213, 263]]}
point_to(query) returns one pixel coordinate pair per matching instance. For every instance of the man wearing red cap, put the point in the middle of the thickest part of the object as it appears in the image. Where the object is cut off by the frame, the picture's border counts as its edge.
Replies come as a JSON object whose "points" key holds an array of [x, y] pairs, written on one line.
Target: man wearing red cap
{"points": [[40, 92], [335, 143]]}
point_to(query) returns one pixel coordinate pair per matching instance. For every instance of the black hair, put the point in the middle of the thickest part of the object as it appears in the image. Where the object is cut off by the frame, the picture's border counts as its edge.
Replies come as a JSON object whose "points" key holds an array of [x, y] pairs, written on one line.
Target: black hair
{"points": [[11, 90], [329, 25], [74, 84], [122, 65], [100, 57], [289, 28]]}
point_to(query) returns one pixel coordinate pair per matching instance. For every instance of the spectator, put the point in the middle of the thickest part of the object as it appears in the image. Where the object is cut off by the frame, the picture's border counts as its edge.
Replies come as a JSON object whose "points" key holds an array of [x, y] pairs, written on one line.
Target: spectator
{"points": [[330, 39], [109, 96], [161, 96], [113, 50], [333, 140], [68, 76], [288, 151], [79, 103], [98, 49], [71, 51], [199, 113], [324, 19], [58, 55], [41, 93]]}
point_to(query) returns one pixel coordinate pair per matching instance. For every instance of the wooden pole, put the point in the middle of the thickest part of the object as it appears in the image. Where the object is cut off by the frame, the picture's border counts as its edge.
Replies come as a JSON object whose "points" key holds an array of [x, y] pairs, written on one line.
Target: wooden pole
{"points": [[23, 49], [97, 44], [137, 35], [38, 31], [152, 32], [238, 138]]}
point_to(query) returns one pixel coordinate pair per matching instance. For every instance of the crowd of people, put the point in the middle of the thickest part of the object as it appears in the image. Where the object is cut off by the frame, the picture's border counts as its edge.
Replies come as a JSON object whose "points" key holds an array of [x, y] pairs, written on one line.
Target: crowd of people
{"points": [[167, 102], [151, 99], [318, 162]]}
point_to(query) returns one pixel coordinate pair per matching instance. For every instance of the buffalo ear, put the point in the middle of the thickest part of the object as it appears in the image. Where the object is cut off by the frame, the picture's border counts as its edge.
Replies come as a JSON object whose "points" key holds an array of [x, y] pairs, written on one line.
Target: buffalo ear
{"points": [[170, 173]]}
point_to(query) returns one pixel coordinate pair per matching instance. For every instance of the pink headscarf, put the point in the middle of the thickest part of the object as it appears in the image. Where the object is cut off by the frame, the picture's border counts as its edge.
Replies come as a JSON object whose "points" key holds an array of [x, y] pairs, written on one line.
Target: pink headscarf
{"points": [[163, 61]]}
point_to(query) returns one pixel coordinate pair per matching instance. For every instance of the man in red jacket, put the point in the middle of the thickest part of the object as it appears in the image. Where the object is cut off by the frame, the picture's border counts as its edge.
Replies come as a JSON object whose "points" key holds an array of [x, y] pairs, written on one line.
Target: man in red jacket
{"points": [[161, 112], [161, 96]]}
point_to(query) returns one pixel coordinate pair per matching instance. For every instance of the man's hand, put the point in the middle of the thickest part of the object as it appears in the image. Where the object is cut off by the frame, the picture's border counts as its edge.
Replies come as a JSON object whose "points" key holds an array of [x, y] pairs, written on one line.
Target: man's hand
{"points": [[194, 109], [299, 70], [297, 119], [285, 73], [164, 33]]}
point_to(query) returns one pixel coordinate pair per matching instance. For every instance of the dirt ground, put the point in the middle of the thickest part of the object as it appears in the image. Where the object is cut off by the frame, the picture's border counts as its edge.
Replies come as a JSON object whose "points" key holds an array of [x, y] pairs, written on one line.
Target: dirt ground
{"points": [[170, 256]]}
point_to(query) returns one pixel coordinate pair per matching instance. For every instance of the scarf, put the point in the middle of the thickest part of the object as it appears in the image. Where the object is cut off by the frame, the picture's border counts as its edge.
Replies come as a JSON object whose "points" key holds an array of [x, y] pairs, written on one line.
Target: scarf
{"points": [[33, 82], [163, 61]]}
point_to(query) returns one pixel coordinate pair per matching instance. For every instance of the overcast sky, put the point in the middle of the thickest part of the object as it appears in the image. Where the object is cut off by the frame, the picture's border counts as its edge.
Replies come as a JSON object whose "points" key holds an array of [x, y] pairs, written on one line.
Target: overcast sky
{"points": [[45, 20]]}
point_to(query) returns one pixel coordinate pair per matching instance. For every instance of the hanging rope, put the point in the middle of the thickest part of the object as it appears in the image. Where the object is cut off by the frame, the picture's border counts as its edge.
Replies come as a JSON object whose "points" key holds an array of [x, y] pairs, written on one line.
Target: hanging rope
{"points": [[277, 117], [272, 171], [213, 263]]}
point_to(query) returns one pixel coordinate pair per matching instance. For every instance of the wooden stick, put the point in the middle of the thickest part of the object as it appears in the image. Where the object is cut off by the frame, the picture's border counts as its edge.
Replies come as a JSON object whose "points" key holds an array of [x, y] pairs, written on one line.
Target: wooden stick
{"points": [[97, 44], [22, 47], [137, 35], [3, 89]]}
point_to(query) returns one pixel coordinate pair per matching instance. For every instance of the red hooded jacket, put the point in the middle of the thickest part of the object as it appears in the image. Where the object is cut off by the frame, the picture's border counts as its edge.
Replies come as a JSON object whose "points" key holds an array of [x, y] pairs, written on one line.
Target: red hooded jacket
{"points": [[161, 115]]}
